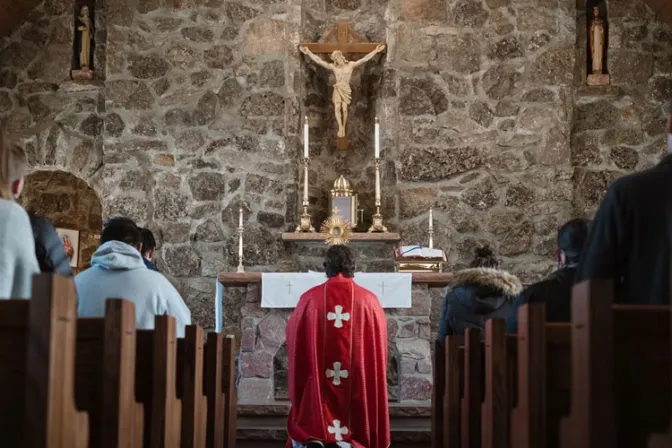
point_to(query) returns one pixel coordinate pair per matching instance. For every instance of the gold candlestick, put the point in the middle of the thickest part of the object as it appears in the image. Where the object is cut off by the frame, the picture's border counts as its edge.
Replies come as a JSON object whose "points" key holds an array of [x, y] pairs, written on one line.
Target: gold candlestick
{"points": [[305, 224], [377, 226]]}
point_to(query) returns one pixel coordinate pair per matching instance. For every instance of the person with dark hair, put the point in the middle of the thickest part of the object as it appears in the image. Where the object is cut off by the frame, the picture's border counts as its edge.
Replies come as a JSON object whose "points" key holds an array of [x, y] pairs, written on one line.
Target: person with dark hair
{"points": [[118, 271], [48, 247], [629, 241], [477, 294], [556, 291], [337, 354], [148, 247]]}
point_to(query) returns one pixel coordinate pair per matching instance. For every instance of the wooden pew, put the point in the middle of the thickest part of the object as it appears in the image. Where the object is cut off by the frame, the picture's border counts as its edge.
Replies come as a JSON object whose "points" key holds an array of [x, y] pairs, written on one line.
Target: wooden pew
{"points": [[472, 396], [438, 394], [446, 394], [495, 408], [155, 382], [214, 390], [541, 378], [190, 388], [620, 370], [229, 385], [37, 357], [105, 377]]}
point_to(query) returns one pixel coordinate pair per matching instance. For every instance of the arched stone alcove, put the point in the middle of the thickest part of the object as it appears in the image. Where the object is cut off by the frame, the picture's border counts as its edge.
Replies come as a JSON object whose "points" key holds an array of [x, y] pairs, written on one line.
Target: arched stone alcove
{"points": [[68, 202]]}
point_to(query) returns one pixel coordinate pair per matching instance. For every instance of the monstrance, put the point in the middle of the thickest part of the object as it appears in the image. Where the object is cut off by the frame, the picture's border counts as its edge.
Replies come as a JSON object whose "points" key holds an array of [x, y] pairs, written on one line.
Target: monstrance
{"points": [[343, 201]]}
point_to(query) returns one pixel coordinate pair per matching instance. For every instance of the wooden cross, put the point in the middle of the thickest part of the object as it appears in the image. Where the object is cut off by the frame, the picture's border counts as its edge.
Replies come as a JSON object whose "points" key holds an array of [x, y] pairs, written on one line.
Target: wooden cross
{"points": [[343, 39]]}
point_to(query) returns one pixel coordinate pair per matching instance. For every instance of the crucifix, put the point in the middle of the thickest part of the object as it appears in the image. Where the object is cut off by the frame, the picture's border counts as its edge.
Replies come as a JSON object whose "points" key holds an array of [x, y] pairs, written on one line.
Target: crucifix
{"points": [[346, 42]]}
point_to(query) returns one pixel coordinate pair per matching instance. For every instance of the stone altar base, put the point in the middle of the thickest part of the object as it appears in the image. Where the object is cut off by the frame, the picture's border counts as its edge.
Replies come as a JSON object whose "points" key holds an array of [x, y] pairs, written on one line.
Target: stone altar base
{"points": [[263, 357]]}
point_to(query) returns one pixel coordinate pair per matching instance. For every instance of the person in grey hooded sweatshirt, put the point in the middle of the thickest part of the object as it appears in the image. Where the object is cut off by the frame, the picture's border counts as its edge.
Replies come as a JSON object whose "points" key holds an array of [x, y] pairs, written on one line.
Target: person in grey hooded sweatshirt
{"points": [[118, 271]]}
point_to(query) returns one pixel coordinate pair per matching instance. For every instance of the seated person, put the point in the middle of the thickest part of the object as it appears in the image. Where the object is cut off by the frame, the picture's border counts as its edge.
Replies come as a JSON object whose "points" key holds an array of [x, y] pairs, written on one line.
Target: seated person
{"points": [[556, 291], [118, 271], [49, 248], [337, 353], [479, 293], [18, 263], [148, 247]]}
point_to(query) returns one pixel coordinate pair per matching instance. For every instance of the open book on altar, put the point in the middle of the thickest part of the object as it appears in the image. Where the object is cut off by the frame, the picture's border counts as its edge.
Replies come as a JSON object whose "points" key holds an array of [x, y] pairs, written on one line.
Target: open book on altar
{"points": [[283, 290], [419, 252]]}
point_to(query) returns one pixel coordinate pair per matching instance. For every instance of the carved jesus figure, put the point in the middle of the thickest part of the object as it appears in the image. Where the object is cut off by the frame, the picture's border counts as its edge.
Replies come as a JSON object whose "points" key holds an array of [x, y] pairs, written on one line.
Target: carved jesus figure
{"points": [[342, 69], [596, 41], [87, 34]]}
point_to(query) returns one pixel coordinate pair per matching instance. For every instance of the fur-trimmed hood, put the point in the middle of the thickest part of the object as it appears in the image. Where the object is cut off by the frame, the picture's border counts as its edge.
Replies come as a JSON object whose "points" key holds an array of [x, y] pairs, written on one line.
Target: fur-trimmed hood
{"points": [[507, 284]]}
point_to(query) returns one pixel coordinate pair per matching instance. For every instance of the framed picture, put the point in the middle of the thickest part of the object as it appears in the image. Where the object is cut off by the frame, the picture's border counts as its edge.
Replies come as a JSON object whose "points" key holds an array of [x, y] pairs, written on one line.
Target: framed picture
{"points": [[70, 240]]}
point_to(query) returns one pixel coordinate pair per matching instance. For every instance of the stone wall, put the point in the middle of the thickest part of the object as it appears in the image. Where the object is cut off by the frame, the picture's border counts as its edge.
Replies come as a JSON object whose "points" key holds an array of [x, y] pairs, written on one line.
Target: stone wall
{"points": [[621, 128], [198, 106], [263, 358]]}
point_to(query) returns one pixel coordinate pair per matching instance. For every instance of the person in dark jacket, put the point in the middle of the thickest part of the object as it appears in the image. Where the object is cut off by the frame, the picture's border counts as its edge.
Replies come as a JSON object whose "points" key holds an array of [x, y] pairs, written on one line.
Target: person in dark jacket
{"points": [[556, 291], [480, 293], [630, 236], [148, 247], [48, 247]]}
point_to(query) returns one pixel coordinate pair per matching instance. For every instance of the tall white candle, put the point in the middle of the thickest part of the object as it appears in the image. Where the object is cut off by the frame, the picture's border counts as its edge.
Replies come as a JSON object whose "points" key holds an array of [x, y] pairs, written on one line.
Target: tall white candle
{"points": [[377, 138], [431, 219], [306, 153], [240, 217]]}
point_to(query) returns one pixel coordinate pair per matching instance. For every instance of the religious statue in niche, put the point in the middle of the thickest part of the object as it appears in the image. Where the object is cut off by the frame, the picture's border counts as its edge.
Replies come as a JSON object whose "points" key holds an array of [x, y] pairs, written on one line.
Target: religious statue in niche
{"points": [[83, 45], [347, 42], [597, 46]]}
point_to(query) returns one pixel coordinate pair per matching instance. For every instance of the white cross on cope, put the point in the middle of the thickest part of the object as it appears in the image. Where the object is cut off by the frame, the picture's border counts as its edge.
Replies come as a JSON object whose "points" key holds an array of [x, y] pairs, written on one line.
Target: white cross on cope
{"points": [[337, 374], [338, 316], [337, 431]]}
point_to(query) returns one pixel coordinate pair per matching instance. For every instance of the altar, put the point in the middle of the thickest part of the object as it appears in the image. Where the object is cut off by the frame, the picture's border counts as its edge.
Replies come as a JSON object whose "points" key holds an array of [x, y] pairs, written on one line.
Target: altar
{"points": [[263, 357]]}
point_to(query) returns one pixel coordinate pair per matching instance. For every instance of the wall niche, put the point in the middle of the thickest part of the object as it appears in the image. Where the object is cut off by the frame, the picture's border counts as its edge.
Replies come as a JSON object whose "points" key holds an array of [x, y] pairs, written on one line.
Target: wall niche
{"points": [[69, 203], [597, 43]]}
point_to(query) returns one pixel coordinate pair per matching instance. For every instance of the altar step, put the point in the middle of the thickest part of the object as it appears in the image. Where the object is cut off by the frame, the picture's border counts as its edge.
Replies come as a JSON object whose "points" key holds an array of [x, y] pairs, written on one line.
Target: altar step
{"points": [[265, 426]]}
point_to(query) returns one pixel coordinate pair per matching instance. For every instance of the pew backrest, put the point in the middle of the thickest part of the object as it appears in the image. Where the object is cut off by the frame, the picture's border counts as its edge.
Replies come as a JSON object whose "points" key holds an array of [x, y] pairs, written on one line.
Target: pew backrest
{"points": [[105, 376], [190, 356], [229, 385], [155, 382], [214, 390]]}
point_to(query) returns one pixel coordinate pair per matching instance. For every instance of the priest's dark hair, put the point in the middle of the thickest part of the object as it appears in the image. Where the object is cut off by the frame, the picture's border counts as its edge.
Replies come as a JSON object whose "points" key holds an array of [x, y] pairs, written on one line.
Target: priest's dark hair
{"points": [[339, 260], [122, 229]]}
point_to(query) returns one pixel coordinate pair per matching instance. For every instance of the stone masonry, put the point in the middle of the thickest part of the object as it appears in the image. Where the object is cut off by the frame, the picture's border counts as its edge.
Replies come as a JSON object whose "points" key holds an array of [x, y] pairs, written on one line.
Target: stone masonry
{"points": [[198, 104], [263, 366]]}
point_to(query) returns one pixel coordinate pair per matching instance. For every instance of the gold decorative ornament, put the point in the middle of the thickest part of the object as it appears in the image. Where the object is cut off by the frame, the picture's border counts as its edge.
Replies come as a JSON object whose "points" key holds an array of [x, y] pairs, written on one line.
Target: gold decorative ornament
{"points": [[336, 231], [344, 202]]}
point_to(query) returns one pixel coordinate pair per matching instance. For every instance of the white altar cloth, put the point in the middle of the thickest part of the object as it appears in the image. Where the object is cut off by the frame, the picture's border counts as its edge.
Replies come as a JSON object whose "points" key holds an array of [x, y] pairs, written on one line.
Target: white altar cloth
{"points": [[283, 290]]}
